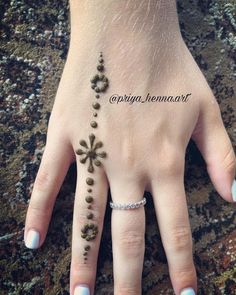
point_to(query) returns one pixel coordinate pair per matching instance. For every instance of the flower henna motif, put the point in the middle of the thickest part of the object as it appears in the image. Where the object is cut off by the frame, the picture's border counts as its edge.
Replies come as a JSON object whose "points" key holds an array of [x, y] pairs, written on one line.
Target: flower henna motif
{"points": [[99, 83], [90, 152], [89, 231]]}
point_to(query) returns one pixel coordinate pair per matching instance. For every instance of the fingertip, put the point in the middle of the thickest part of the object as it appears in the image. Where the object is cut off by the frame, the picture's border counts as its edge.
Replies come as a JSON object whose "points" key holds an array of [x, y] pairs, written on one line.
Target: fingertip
{"points": [[233, 190], [32, 239], [188, 291], [82, 289]]}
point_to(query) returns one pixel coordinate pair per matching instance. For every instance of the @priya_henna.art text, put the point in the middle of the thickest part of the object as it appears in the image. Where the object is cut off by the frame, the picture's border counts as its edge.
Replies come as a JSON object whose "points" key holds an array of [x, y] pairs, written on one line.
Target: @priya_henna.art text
{"points": [[90, 152]]}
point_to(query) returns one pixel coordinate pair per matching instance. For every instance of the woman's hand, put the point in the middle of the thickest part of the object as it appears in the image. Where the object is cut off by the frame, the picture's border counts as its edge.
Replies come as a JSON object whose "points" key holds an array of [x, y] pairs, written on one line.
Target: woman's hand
{"points": [[145, 143]]}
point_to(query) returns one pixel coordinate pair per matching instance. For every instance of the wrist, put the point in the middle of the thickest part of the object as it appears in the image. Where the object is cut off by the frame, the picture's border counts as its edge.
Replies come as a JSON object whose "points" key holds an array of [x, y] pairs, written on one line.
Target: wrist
{"points": [[124, 19]]}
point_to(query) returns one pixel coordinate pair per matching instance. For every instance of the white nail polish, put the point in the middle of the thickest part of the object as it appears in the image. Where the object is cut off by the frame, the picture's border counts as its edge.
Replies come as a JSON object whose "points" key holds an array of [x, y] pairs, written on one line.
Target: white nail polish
{"points": [[32, 239], [81, 290], [187, 291], [233, 190]]}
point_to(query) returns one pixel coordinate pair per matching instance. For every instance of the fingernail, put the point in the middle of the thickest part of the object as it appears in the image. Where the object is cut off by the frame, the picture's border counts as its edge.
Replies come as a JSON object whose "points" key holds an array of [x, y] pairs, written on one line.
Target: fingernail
{"points": [[81, 290], [32, 239], [187, 291], [233, 190]]}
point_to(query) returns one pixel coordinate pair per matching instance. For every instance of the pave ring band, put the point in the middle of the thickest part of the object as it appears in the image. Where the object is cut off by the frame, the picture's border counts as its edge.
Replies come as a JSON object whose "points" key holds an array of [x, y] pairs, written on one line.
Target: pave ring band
{"points": [[128, 206]]}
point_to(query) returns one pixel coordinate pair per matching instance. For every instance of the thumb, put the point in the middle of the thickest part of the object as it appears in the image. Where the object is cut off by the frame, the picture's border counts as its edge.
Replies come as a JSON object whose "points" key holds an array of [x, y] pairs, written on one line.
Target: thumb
{"points": [[213, 142]]}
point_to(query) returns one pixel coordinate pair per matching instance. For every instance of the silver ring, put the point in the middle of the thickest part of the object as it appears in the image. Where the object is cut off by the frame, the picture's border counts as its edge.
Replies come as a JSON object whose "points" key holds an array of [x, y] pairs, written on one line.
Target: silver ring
{"points": [[128, 206]]}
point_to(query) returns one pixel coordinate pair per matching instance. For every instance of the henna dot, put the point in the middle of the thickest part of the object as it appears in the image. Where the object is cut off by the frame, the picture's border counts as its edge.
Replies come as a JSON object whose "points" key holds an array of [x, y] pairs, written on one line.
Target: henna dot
{"points": [[89, 199], [90, 215], [100, 68], [89, 207], [89, 190], [85, 253], [89, 181], [98, 145], [96, 105], [94, 78], [103, 154], [83, 143], [79, 152], [91, 138], [84, 229], [95, 114], [97, 163], [87, 247], [97, 95], [97, 89], [101, 60], [94, 124], [91, 169]]}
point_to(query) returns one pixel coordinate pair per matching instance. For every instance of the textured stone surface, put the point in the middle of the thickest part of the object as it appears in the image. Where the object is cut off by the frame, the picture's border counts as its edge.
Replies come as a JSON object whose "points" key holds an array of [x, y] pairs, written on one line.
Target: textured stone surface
{"points": [[34, 42]]}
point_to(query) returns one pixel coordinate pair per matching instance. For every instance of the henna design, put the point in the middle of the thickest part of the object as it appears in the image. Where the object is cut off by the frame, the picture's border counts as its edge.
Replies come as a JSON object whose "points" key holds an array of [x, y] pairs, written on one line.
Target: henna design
{"points": [[99, 83], [91, 152], [87, 247], [96, 105], [89, 199], [89, 231], [90, 215], [89, 181], [94, 124]]}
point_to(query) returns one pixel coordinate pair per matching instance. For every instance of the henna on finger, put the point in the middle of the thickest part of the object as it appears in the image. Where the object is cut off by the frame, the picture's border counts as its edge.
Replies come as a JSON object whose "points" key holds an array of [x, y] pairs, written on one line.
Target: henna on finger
{"points": [[90, 152]]}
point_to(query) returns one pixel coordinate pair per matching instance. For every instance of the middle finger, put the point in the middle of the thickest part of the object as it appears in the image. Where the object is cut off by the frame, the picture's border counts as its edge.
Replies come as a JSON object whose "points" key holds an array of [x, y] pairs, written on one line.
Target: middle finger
{"points": [[89, 209]]}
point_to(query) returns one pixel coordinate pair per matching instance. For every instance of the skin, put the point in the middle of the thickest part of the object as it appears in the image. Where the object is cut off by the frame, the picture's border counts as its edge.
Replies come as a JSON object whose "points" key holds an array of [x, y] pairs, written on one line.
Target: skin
{"points": [[145, 143]]}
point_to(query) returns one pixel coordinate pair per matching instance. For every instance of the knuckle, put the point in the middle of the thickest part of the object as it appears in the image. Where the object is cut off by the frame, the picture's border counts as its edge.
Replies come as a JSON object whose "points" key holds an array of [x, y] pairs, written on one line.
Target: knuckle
{"points": [[81, 267], [128, 157], [186, 275], [132, 241], [180, 238], [43, 179], [173, 164], [81, 271], [229, 160], [39, 209], [128, 290]]}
